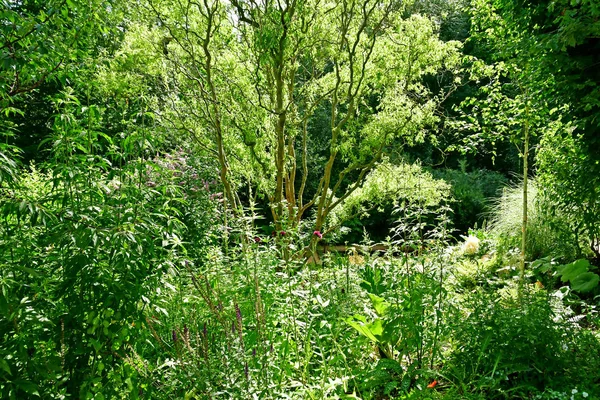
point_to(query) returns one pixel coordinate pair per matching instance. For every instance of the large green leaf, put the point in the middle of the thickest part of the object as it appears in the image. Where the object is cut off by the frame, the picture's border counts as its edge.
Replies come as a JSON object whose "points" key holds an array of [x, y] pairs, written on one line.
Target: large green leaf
{"points": [[573, 270], [585, 282]]}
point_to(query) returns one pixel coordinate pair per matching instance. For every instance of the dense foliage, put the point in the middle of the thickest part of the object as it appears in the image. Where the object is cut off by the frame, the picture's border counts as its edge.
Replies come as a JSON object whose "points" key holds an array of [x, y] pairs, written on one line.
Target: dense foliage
{"points": [[299, 199]]}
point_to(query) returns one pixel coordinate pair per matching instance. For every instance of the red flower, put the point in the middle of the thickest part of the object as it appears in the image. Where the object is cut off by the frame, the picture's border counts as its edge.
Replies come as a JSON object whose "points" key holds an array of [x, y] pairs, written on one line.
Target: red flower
{"points": [[432, 384], [282, 233], [319, 234]]}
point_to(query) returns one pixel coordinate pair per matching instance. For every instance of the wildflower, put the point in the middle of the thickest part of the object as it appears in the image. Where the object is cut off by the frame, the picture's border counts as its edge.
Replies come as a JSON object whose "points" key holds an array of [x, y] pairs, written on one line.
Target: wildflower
{"points": [[238, 315], [574, 391], [584, 394], [282, 233], [174, 334], [471, 245], [318, 234], [432, 384]]}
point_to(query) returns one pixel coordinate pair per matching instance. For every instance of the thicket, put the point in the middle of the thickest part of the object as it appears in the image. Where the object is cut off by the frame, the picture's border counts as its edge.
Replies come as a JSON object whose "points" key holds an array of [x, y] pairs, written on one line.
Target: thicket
{"points": [[171, 172]]}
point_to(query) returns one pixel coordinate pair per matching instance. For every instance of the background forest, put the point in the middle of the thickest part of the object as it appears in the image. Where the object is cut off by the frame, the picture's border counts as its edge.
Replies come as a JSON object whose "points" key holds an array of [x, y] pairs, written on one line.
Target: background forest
{"points": [[345, 199]]}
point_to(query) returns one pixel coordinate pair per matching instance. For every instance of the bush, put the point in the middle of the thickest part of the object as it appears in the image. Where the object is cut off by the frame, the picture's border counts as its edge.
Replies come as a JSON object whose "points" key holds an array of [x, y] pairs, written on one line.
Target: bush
{"points": [[386, 188], [511, 347], [89, 244], [241, 330], [473, 193]]}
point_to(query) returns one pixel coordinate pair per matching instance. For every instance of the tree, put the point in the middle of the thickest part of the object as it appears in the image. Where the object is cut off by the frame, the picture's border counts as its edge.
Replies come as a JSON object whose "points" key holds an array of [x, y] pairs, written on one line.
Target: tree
{"points": [[44, 40], [557, 45], [250, 79], [46, 46]]}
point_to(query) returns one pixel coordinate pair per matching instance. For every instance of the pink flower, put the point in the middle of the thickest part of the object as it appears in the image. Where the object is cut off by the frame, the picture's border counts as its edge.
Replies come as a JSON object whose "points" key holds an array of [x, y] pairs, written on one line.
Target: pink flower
{"points": [[282, 233], [319, 234]]}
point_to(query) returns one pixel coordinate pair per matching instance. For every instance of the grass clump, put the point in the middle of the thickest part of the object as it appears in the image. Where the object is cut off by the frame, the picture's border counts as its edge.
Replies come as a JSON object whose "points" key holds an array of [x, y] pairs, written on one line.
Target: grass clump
{"points": [[547, 235]]}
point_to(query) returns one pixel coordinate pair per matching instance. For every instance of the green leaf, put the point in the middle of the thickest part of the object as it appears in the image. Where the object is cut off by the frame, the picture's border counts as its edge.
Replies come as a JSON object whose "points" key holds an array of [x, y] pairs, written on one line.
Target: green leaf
{"points": [[571, 271], [28, 387], [542, 264], [30, 271], [4, 366], [585, 282], [379, 304], [368, 330], [376, 327]]}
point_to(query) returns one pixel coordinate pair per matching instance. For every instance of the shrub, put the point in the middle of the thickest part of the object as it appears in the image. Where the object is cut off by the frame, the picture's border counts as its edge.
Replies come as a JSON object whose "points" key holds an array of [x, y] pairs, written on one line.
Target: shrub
{"points": [[510, 347], [473, 193], [251, 325], [89, 243], [386, 188]]}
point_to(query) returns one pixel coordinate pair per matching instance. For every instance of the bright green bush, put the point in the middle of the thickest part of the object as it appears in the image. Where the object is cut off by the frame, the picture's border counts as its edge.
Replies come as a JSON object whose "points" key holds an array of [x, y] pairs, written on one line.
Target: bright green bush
{"points": [[251, 324], [89, 241], [386, 188]]}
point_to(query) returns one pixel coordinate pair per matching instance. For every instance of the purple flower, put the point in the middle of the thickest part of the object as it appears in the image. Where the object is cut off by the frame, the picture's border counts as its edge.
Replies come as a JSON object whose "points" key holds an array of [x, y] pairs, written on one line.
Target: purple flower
{"points": [[238, 315], [282, 233], [174, 334], [318, 234], [186, 335]]}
